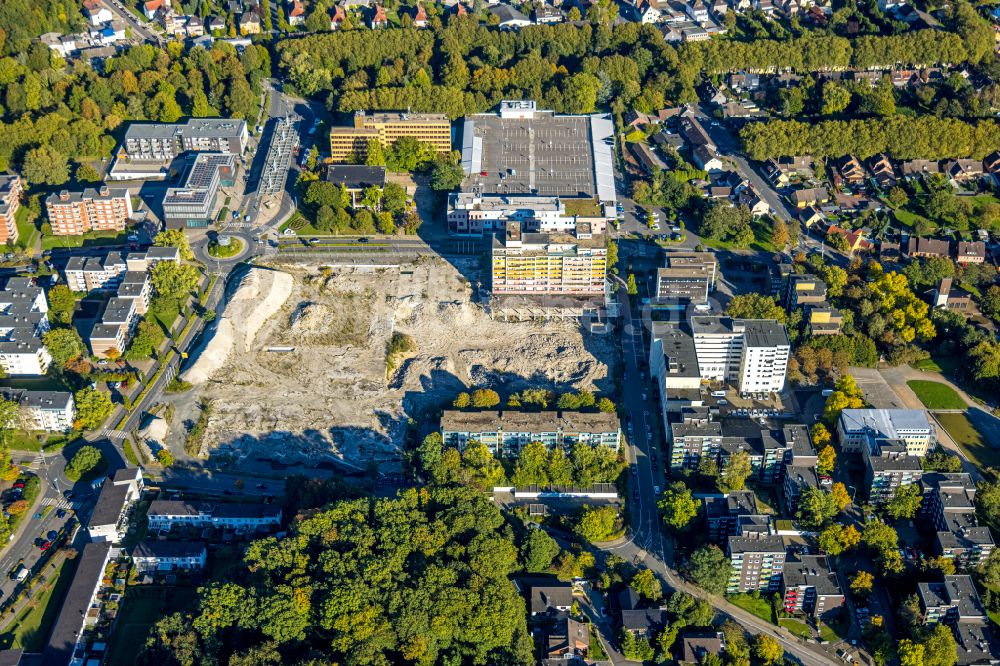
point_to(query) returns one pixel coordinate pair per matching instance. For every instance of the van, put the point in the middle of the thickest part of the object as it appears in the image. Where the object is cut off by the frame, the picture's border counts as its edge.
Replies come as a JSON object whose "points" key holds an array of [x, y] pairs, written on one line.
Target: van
{"points": [[827, 393], [723, 401], [718, 394], [21, 575]]}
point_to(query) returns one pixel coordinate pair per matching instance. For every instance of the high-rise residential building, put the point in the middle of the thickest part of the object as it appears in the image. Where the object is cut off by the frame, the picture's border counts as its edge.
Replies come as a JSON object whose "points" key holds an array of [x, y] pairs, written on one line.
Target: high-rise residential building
{"points": [[546, 264], [723, 514], [10, 201], [100, 209], [85, 274], [387, 127], [504, 433], [857, 427], [753, 353], [804, 290], [53, 411], [810, 586], [756, 561], [160, 142], [952, 601], [887, 467], [23, 321], [949, 506]]}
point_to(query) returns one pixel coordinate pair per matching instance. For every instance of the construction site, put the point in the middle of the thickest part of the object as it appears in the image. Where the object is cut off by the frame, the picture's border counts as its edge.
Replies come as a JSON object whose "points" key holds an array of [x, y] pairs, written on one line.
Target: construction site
{"points": [[296, 370]]}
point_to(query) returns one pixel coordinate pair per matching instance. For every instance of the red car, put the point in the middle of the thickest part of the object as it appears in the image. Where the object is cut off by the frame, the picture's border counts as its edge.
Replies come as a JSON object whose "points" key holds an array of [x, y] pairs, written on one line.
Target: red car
{"points": [[45, 546], [19, 484]]}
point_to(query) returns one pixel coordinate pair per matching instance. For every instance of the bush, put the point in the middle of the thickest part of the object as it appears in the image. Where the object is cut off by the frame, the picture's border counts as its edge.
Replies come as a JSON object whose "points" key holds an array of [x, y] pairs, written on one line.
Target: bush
{"points": [[86, 461], [165, 458]]}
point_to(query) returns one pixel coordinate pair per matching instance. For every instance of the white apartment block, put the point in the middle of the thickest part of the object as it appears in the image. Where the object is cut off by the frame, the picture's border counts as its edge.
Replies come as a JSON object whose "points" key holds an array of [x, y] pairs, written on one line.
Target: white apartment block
{"points": [[52, 411], [109, 521], [167, 556], [75, 213], [86, 274], [858, 428], [145, 261], [753, 353], [23, 321], [165, 514]]}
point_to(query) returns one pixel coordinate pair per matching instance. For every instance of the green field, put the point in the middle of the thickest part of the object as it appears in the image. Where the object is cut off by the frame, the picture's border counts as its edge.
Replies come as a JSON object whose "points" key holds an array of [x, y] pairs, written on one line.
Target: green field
{"points": [[89, 239], [936, 395], [141, 609], [31, 629], [759, 606], [966, 436], [796, 627], [26, 231]]}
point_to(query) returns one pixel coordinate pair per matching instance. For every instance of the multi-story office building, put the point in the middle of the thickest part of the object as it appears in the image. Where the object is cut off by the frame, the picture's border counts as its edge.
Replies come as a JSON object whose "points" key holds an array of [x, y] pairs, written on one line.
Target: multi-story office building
{"points": [[23, 321], [159, 142], [756, 562], [472, 214], [52, 411], [810, 586], [194, 203], [347, 143], [101, 209], [10, 201], [887, 467], [85, 274], [953, 601], [504, 433], [949, 505], [753, 353], [167, 514], [688, 276], [549, 264], [857, 427]]}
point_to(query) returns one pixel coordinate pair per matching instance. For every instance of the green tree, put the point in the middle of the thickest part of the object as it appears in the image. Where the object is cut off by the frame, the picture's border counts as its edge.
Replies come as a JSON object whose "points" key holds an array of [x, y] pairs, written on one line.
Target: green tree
{"points": [[560, 467], [827, 459], [10, 411], [708, 568], [597, 523], [175, 238], [45, 165], [63, 344], [816, 507], [375, 155], [677, 506], [446, 175], [83, 461], [862, 584], [905, 502], [767, 649], [735, 472], [606, 406], [636, 648], [910, 653], [532, 466], [174, 281], [755, 306], [147, 339], [940, 648], [538, 551], [482, 398], [631, 287], [92, 408], [85, 173], [461, 401], [62, 302], [480, 467], [647, 585], [835, 538], [165, 458]]}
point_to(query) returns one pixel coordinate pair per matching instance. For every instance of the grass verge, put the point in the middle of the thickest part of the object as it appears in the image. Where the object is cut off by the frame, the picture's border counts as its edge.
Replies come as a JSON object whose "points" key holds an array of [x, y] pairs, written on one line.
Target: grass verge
{"points": [[936, 395], [796, 627], [969, 439], [759, 606], [31, 629]]}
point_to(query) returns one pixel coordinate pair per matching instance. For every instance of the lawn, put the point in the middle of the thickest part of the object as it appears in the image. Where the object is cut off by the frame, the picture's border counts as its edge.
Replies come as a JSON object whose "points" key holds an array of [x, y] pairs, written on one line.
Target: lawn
{"points": [[31, 630], [141, 609], [796, 627], [597, 652], [906, 218], [31, 440], [936, 395], [26, 230], [966, 436], [759, 606], [946, 365], [166, 311], [583, 207], [834, 631], [89, 239]]}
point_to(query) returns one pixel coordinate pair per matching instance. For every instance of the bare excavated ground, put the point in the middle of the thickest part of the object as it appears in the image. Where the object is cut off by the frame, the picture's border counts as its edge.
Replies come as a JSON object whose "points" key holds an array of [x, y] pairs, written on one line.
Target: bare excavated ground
{"points": [[330, 397]]}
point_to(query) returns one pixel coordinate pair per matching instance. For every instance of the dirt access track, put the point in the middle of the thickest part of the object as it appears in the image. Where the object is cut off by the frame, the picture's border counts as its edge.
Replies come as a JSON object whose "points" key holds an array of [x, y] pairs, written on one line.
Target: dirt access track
{"points": [[330, 397]]}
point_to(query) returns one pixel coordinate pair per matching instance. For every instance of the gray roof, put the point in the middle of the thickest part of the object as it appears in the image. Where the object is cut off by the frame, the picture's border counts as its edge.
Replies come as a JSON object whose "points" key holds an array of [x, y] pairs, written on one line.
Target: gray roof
{"points": [[518, 421], [168, 549], [644, 619], [507, 13], [977, 644], [219, 510], [47, 399], [65, 196], [194, 127], [811, 570], [695, 644], [555, 595], [356, 176], [68, 624], [110, 504], [756, 544], [680, 357], [887, 422]]}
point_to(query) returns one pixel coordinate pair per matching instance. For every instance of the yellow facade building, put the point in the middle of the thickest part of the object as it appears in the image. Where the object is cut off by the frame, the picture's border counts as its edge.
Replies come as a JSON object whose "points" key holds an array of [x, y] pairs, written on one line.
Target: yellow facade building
{"points": [[548, 264], [348, 143]]}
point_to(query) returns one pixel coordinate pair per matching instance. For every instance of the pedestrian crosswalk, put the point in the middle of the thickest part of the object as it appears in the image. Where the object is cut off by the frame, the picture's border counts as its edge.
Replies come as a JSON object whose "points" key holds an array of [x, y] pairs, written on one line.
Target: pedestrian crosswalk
{"points": [[57, 502]]}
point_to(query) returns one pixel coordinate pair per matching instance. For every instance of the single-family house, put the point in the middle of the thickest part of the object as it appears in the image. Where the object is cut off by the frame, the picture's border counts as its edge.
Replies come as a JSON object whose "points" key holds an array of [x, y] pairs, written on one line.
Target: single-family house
{"points": [[377, 18], [249, 23], [810, 196], [552, 597], [96, 12], [882, 170], [697, 10], [927, 247], [850, 170], [645, 12], [695, 645], [337, 16], [810, 216], [973, 252], [548, 14], [296, 13], [962, 171], [706, 158], [509, 18], [918, 168]]}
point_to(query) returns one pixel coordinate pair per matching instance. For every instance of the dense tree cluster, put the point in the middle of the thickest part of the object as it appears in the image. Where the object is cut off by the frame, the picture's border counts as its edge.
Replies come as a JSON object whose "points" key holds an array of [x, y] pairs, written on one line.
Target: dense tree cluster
{"points": [[468, 68], [419, 579], [901, 137], [582, 466], [52, 113]]}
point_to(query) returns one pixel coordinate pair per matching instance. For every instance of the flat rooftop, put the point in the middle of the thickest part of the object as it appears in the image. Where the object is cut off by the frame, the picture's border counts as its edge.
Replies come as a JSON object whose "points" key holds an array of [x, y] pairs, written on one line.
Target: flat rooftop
{"points": [[539, 153]]}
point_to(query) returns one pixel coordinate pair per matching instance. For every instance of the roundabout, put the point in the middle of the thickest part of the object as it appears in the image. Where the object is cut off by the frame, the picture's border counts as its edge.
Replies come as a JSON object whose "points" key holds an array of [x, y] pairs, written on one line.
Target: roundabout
{"points": [[225, 247]]}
